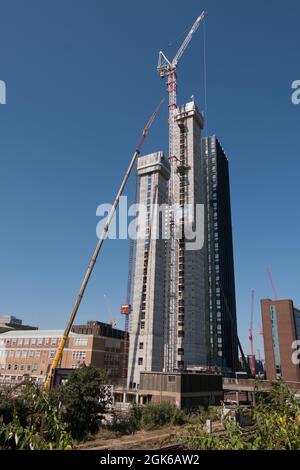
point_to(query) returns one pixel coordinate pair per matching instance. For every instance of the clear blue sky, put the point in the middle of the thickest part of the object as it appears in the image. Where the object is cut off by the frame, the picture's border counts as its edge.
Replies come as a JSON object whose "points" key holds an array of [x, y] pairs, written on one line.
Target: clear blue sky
{"points": [[81, 82]]}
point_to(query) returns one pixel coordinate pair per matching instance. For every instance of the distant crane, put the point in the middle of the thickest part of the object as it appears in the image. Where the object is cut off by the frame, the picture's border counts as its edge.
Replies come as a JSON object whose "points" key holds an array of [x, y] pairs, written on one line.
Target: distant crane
{"points": [[167, 69], [253, 368], [275, 292]]}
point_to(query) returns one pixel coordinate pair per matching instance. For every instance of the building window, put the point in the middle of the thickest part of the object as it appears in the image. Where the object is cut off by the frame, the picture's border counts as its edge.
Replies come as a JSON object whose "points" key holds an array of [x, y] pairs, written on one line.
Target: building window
{"points": [[180, 334], [34, 367], [142, 325], [140, 361], [172, 378], [18, 354], [81, 342], [24, 354], [141, 346], [26, 341], [180, 352], [79, 355], [275, 338], [38, 354], [9, 367], [52, 354], [16, 367], [31, 353], [28, 367], [20, 341], [180, 364], [53, 342], [33, 341], [22, 367], [40, 341], [14, 341]]}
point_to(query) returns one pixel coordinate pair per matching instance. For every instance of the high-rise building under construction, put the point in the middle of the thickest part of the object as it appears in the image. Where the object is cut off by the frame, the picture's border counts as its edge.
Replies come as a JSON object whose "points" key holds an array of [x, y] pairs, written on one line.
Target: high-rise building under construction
{"points": [[146, 349], [165, 338], [189, 340]]}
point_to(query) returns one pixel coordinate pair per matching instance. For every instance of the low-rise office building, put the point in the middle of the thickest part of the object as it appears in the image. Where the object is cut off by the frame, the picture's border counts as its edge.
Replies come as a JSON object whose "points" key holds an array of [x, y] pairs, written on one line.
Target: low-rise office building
{"points": [[30, 353]]}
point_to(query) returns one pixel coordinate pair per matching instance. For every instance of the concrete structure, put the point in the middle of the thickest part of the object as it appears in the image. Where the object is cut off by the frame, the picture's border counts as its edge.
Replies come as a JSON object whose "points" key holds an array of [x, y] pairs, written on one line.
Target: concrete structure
{"points": [[30, 353], [10, 322], [190, 348], [219, 276], [281, 328], [243, 390], [146, 350], [185, 390], [162, 339], [184, 309]]}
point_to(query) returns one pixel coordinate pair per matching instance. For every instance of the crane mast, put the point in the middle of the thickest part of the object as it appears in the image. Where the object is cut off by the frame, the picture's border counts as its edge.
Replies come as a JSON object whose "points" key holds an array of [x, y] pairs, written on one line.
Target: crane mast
{"points": [[167, 69]]}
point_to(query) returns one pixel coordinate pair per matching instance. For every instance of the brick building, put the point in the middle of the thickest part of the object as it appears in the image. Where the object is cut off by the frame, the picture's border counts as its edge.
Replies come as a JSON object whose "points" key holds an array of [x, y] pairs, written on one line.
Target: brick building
{"points": [[281, 328], [31, 352]]}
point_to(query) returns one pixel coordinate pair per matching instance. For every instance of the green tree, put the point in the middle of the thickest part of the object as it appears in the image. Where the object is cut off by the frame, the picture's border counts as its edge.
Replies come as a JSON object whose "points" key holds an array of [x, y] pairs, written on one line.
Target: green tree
{"points": [[84, 400]]}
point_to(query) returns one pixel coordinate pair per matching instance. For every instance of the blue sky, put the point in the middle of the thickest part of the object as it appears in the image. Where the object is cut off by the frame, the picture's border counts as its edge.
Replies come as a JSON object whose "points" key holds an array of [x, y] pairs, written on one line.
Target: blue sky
{"points": [[81, 82]]}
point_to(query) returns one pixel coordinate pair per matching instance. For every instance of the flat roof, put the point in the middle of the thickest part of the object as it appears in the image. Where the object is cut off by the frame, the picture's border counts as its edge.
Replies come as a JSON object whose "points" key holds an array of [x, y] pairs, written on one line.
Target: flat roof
{"points": [[33, 333]]}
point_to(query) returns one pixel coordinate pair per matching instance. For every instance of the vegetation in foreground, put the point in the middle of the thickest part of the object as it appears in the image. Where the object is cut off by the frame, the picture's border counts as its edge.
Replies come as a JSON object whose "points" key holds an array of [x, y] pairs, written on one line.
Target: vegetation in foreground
{"points": [[275, 426], [148, 417], [32, 418]]}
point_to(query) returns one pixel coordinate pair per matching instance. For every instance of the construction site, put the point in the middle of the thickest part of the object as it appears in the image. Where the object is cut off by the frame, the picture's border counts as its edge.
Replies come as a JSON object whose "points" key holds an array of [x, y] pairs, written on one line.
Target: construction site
{"points": [[180, 314], [180, 343], [180, 308]]}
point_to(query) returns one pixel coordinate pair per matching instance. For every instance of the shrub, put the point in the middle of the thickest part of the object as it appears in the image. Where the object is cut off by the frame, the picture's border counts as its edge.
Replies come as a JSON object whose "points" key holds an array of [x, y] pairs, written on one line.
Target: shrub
{"points": [[31, 420], [148, 417], [130, 423], [158, 415]]}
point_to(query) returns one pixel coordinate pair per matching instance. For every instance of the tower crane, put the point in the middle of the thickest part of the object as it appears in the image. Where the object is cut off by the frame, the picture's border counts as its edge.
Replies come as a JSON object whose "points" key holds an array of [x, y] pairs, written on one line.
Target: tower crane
{"points": [[168, 70], [253, 368]]}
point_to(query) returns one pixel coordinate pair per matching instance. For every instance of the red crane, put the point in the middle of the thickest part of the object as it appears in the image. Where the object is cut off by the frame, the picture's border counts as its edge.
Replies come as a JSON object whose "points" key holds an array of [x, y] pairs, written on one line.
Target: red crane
{"points": [[252, 365]]}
